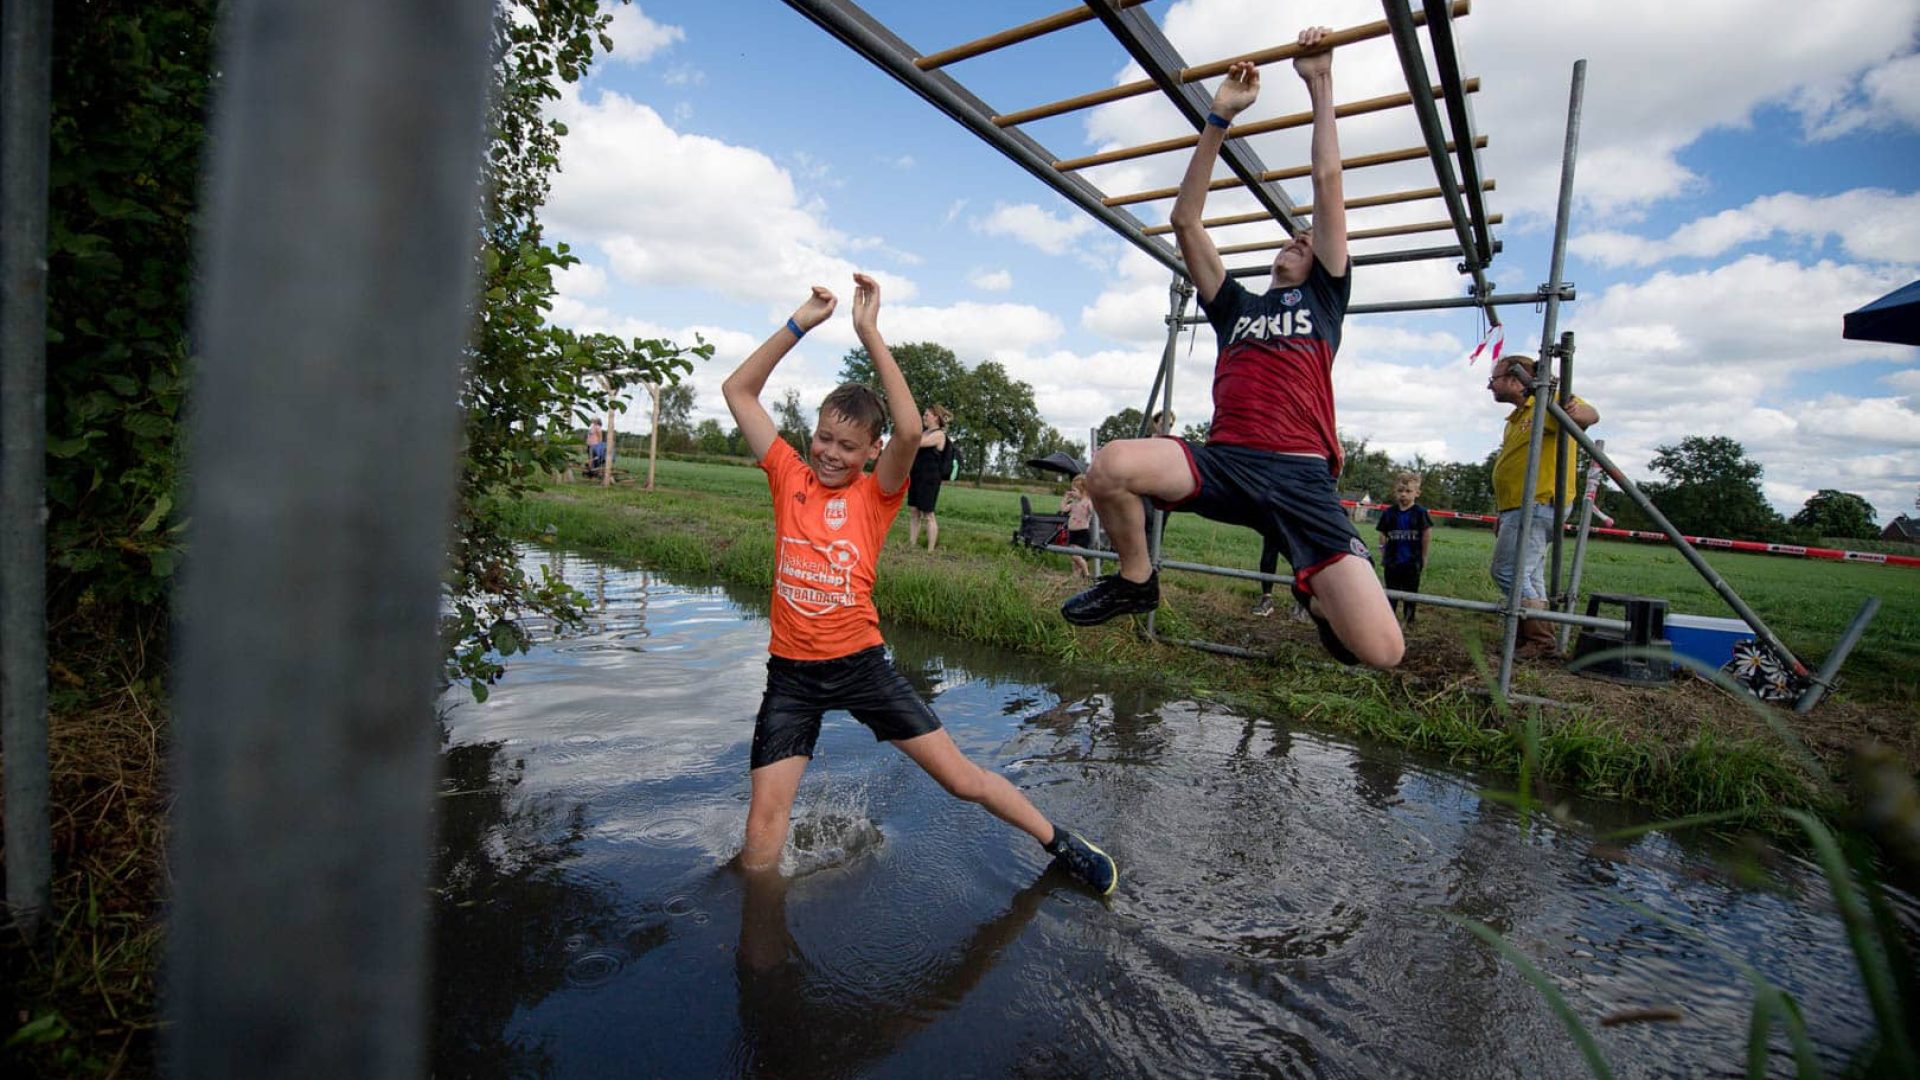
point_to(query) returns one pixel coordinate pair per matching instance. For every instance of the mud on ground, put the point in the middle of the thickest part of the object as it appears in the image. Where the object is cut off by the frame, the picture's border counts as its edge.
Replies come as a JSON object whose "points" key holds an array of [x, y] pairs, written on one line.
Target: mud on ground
{"points": [[1439, 659]]}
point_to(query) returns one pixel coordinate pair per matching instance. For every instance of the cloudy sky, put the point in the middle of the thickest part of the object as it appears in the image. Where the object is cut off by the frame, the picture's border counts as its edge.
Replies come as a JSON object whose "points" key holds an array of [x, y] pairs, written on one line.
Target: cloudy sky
{"points": [[1747, 175]]}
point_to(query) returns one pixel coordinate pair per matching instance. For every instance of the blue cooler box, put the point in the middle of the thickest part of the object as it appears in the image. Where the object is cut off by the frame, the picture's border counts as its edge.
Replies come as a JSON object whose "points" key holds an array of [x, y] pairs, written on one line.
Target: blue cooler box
{"points": [[1706, 638]]}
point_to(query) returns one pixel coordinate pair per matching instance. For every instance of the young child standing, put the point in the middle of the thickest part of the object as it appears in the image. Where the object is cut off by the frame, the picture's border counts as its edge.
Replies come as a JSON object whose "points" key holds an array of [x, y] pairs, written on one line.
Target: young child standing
{"points": [[1406, 530], [1079, 511], [830, 519]]}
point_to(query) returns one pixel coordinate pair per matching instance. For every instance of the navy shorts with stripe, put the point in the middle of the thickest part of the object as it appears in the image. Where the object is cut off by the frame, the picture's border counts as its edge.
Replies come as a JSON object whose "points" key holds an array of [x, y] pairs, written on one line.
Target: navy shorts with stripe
{"points": [[865, 684], [1280, 496]]}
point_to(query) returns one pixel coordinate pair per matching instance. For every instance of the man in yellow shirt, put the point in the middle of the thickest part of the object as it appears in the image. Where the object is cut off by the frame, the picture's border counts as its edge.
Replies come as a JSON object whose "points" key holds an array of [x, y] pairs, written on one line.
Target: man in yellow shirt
{"points": [[1521, 533]]}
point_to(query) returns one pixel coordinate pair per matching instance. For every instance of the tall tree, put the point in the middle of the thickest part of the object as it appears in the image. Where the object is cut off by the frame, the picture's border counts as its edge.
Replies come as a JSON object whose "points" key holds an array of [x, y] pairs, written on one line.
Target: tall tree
{"points": [[1005, 417], [937, 377], [1713, 489], [527, 384], [1124, 424], [934, 374], [1367, 471], [1837, 513], [1047, 440], [708, 438], [676, 416], [791, 420]]}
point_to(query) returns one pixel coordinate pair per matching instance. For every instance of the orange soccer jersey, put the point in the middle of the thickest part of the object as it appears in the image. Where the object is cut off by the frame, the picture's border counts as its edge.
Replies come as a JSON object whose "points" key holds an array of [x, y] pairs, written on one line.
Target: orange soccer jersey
{"points": [[827, 546]]}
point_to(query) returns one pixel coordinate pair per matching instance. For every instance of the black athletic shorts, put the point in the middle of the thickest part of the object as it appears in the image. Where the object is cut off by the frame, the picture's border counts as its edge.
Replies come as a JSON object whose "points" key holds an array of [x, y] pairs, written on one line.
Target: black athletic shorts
{"points": [[1080, 538], [864, 684], [1281, 497]]}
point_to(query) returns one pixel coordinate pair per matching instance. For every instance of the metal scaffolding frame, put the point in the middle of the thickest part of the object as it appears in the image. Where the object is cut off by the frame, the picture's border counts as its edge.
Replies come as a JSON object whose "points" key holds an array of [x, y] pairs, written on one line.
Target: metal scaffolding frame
{"points": [[1441, 143], [1448, 137], [1177, 82]]}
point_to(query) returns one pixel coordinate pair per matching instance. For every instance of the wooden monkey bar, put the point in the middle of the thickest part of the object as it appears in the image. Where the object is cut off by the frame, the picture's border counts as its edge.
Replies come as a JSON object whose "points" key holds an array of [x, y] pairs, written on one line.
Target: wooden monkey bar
{"points": [[1436, 108]]}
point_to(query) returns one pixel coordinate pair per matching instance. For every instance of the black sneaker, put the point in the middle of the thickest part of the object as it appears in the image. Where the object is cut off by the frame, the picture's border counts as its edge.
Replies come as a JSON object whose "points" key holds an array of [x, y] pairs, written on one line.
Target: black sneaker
{"points": [[1330, 640], [1087, 864], [1110, 596]]}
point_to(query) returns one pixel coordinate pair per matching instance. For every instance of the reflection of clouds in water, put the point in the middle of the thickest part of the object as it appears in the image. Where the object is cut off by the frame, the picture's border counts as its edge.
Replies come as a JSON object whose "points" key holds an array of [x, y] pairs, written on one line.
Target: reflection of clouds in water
{"points": [[1274, 881]]}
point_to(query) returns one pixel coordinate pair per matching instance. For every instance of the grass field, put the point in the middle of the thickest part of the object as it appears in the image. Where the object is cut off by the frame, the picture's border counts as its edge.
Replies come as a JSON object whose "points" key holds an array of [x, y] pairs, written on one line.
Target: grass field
{"points": [[1807, 602]]}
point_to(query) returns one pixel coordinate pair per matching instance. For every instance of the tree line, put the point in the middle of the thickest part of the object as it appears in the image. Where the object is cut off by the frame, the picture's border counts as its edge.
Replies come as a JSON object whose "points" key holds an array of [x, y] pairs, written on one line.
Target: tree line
{"points": [[1706, 485], [996, 425]]}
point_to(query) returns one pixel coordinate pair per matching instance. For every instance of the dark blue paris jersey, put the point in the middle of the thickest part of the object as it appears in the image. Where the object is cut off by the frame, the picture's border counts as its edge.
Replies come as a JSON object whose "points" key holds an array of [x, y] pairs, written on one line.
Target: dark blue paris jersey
{"points": [[1401, 531], [1273, 382]]}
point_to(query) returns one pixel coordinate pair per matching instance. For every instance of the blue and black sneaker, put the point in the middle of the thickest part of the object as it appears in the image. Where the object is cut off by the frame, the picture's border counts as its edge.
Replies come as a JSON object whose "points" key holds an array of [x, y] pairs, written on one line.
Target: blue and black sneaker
{"points": [[1110, 596], [1087, 864]]}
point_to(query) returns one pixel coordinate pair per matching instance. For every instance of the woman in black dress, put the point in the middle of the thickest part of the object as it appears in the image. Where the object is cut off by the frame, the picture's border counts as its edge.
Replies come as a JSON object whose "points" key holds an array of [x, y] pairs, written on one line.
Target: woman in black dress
{"points": [[930, 467]]}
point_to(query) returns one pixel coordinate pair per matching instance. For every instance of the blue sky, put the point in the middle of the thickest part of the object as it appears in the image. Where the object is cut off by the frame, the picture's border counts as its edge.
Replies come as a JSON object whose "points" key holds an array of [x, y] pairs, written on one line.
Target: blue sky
{"points": [[1747, 175]]}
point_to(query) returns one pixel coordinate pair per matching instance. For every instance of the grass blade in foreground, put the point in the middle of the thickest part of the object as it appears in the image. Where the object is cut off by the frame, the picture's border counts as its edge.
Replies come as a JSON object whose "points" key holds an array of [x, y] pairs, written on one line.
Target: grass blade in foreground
{"points": [[1868, 951], [1581, 1037]]}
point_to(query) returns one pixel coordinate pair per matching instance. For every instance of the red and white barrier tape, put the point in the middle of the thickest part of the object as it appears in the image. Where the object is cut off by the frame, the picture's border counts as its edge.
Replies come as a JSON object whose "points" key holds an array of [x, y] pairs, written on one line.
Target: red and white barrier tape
{"points": [[1754, 546]]}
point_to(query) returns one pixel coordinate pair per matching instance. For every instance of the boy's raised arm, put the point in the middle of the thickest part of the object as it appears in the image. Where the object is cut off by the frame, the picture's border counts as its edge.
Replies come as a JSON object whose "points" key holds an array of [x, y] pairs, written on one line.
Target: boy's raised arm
{"points": [[742, 388], [1329, 187], [896, 460], [1208, 273]]}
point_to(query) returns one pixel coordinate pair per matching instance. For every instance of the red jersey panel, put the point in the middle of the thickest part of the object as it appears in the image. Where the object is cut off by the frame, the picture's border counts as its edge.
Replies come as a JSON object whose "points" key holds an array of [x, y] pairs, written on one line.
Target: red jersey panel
{"points": [[1273, 382]]}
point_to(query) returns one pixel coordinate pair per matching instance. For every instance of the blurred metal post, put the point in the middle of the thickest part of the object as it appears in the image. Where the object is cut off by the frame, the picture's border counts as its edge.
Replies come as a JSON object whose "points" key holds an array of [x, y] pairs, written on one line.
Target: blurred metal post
{"points": [[25, 89], [338, 260]]}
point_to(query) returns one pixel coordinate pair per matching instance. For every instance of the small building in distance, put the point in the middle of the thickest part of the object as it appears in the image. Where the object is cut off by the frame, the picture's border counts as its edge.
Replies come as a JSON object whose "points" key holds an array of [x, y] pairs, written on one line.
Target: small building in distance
{"points": [[1904, 529]]}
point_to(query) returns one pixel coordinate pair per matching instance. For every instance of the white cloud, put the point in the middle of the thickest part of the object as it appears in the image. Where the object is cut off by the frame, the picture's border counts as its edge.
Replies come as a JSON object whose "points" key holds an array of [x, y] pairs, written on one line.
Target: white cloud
{"points": [[684, 75], [1648, 95], [1887, 96], [1872, 225], [972, 329], [582, 280], [666, 208], [637, 38], [991, 280], [1029, 224]]}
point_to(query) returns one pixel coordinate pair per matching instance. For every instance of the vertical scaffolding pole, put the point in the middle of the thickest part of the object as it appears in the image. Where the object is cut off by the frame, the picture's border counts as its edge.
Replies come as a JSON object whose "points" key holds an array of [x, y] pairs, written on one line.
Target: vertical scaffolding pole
{"points": [[1094, 536], [1177, 294], [1543, 388], [1560, 448], [25, 96], [338, 251], [1587, 495]]}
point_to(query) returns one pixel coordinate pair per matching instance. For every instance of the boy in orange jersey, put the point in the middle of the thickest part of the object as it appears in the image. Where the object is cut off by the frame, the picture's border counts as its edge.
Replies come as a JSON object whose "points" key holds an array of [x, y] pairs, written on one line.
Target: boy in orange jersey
{"points": [[830, 519]]}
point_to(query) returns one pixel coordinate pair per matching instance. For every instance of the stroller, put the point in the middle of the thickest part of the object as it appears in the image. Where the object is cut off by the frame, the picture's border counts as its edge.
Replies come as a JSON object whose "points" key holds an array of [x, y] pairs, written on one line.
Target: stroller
{"points": [[1038, 530]]}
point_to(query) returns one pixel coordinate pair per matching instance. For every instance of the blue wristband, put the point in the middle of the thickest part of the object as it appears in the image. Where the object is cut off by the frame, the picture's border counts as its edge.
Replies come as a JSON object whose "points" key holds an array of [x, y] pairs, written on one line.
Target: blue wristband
{"points": [[1217, 120], [795, 327]]}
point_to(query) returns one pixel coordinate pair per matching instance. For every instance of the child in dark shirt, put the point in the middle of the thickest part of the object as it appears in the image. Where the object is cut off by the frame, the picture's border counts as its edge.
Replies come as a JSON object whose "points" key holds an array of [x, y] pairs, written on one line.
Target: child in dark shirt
{"points": [[1406, 530]]}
